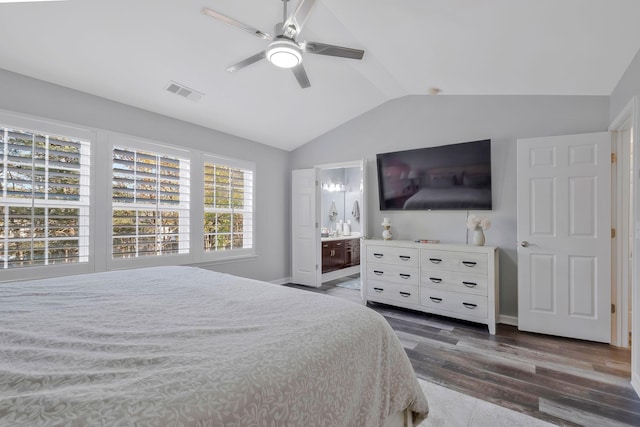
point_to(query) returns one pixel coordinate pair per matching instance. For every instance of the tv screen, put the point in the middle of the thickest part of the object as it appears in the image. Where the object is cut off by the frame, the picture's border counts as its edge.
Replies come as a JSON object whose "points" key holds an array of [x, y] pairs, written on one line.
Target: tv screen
{"points": [[447, 177]]}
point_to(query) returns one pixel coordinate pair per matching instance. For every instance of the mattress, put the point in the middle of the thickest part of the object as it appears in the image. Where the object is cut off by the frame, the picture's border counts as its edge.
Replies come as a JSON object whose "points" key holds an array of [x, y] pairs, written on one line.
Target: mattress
{"points": [[184, 346]]}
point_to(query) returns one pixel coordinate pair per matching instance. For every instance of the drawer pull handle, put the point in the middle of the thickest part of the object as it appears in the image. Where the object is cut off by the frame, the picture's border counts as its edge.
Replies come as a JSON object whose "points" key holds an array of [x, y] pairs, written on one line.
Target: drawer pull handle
{"points": [[378, 272], [435, 279], [405, 294], [378, 255], [434, 299], [339, 244], [469, 305], [435, 260], [470, 284], [404, 257], [405, 276], [469, 263], [378, 290]]}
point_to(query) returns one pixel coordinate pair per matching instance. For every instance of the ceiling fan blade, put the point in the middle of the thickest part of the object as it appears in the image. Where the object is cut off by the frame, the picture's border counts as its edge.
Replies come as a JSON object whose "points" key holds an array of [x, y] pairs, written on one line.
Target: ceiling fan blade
{"points": [[293, 25], [237, 24], [246, 62], [301, 76], [332, 50]]}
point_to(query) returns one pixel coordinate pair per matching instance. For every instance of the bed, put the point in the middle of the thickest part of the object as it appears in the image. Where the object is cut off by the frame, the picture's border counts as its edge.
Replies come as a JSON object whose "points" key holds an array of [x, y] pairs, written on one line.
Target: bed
{"points": [[184, 346]]}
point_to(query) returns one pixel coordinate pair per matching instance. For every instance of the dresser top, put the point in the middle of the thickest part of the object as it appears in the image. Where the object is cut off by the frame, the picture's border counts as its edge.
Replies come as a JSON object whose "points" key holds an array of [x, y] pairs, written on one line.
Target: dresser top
{"points": [[434, 246]]}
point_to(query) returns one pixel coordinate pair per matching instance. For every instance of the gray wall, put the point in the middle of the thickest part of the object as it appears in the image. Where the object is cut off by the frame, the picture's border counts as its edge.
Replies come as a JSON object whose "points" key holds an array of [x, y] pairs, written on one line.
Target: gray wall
{"points": [[627, 88], [25, 95], [420, 121]]}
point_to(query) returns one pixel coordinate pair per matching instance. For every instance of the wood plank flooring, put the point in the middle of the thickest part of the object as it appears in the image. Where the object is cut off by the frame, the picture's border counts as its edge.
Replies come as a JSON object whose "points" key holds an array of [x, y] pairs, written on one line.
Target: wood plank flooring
{"points": [[563, 381]]}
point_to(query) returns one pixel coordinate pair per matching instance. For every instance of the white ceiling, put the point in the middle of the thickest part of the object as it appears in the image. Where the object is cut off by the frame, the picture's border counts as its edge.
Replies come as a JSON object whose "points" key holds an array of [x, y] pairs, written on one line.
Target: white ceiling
{"points": [[129, 50]]}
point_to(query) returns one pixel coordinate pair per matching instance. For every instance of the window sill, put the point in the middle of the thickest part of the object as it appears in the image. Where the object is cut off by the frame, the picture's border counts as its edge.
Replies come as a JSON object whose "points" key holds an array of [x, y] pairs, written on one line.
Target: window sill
{"points": [[225, 260]]}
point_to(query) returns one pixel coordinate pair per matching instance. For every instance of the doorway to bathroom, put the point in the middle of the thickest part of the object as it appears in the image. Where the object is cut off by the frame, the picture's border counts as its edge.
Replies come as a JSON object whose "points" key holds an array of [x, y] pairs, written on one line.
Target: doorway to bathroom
{"points": [[328, 221]]}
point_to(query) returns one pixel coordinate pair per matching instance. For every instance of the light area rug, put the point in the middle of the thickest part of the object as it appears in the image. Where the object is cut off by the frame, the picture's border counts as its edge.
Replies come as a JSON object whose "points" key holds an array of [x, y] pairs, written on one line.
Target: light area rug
{"points": [[449, 408]]}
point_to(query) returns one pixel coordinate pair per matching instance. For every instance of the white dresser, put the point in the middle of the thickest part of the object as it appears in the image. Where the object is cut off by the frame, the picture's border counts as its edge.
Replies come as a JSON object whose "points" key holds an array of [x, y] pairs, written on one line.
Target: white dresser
{"points": [[458, 281]]}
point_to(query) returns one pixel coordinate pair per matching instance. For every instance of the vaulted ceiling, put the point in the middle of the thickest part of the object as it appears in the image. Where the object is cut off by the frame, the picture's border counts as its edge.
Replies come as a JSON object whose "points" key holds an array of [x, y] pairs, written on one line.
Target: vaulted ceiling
{"points": [[130, 50]]}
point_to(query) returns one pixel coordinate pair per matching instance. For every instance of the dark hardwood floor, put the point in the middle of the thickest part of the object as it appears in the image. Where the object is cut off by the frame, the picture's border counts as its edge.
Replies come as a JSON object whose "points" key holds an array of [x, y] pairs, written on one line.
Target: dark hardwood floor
{"points": [[563, 381]]}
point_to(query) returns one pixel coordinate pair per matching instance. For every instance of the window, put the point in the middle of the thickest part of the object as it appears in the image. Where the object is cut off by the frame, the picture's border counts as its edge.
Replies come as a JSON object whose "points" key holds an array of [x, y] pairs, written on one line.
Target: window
{"points": [[150, 203], [44, 199], [62, 212], [228, 206]]}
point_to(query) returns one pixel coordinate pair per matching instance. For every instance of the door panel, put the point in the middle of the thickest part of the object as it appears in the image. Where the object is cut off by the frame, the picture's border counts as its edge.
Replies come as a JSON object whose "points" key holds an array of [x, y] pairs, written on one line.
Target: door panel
{"points": [[564, 221], [305, 237], [542, 273]]}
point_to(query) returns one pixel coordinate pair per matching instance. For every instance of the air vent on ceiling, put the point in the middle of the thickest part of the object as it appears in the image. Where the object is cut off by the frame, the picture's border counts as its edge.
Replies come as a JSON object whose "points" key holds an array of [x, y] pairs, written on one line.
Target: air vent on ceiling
{"points": [[184, 91]]}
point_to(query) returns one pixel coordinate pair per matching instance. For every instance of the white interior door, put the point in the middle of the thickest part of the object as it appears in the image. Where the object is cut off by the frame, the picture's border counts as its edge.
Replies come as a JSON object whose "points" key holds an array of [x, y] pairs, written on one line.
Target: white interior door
{"points": [[305, 236], [564, 236]]}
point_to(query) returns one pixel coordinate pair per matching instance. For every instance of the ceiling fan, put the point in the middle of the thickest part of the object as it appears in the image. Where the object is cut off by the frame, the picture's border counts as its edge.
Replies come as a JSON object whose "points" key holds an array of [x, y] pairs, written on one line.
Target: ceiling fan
{"points": [[283, 50]]}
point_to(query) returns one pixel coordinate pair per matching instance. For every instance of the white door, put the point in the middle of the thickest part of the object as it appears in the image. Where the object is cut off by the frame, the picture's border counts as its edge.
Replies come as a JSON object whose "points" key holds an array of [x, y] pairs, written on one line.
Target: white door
{"points": [[564, 236], [305, 239]]}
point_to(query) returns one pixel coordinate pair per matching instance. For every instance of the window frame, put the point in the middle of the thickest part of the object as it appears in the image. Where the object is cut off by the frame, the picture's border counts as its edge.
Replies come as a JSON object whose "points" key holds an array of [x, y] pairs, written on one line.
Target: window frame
{"points": [[51, 127], [135, 143], [226, 255]]}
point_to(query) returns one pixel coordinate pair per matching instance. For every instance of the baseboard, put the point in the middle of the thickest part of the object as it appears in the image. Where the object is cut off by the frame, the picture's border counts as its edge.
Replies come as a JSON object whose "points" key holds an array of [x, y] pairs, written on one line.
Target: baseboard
{"points": [[508, 320], [635, 382], [283, 281]]}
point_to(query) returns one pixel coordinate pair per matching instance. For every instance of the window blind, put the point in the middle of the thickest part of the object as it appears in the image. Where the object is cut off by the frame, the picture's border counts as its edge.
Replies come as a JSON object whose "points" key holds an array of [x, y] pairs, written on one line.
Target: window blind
{"points": [[150, 199], [228, 206], [44, 209]]}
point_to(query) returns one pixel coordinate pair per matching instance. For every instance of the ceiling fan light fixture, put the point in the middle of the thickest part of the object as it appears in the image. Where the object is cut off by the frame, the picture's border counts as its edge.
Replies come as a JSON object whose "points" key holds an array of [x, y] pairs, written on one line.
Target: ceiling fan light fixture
{"points": [[284, 53]]}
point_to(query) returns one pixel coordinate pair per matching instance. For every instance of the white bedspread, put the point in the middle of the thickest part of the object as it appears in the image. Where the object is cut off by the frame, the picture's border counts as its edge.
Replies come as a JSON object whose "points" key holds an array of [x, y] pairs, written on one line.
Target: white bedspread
{"points": [[180, 346]]}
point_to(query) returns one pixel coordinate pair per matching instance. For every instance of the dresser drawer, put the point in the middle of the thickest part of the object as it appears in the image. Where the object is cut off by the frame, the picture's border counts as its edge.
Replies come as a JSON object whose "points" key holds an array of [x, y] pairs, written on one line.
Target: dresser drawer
{"points": [[455, 281], [378, 290], [454, 302], [467, 262], [394, 255], [393, 273]]}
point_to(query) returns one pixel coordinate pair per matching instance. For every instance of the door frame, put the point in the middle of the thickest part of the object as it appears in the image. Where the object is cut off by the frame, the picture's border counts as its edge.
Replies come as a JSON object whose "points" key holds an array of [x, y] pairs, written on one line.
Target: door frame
{"points": [[623, 223], [362, 164], [629, 116]]}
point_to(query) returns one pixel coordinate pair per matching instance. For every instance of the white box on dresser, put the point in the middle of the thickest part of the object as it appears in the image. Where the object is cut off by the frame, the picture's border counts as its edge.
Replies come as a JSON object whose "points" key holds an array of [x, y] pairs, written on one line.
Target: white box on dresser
{"points": [[459, 281]]}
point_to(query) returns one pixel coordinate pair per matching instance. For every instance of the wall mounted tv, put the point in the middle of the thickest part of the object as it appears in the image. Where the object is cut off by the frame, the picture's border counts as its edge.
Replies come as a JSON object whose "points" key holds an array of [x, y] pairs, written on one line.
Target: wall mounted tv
{"points": [[446, 177]]}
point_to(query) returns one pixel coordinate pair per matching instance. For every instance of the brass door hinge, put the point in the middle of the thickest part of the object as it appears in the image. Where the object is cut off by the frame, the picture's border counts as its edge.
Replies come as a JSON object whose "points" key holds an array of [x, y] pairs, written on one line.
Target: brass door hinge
{"points": [[614, 158], [613, 233]]}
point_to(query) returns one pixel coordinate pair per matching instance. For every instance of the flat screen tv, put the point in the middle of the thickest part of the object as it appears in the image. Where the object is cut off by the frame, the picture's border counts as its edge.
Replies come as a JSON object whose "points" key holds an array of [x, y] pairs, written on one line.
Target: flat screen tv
{"points": [[446, 177]]}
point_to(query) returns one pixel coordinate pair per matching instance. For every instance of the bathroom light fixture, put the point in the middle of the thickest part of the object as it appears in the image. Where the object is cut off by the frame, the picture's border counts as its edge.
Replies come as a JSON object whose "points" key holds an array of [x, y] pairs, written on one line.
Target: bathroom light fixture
{"points": [[333, 187], [284, 53]]}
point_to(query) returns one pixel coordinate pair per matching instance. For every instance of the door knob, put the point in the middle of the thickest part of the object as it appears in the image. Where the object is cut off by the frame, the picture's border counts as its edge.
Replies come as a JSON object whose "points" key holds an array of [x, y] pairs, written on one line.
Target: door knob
{"points": [[524, 244]]}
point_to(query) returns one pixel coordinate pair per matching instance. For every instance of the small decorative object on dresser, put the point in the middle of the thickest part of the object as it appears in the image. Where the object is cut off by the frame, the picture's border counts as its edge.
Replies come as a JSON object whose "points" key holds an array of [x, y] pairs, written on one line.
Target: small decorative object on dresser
{"points": [[458, 281], [477, 224], [386, 226]]}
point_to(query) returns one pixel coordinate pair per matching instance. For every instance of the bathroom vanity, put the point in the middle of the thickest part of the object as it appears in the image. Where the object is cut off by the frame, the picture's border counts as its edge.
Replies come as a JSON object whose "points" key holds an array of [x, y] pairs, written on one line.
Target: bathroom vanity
{"points": [[340, 253]]}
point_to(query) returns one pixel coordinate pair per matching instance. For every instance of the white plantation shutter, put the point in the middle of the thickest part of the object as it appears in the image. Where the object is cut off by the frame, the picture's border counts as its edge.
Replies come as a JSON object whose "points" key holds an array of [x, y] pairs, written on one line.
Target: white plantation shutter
{"points": [[150, 201], [44, 199], [228, 205]]}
